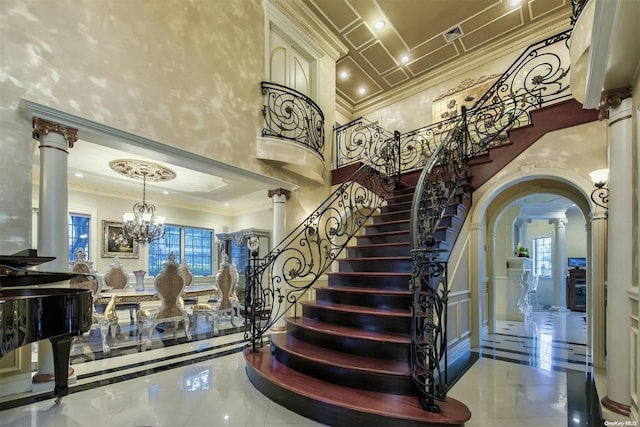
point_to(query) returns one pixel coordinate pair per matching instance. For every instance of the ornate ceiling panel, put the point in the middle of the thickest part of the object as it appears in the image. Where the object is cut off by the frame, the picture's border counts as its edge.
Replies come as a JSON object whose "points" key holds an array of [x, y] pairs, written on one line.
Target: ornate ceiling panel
{"points": [[417, 29]]}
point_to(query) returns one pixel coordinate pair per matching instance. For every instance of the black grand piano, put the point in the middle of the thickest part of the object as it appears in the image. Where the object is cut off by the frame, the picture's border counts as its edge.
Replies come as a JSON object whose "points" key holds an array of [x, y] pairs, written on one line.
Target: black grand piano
{"points": [[32, 312]]}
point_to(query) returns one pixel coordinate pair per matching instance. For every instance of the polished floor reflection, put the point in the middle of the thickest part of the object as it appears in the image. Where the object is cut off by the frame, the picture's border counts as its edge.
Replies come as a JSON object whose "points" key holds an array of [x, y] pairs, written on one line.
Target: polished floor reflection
{"points": [[547, 340], [525, 376]]}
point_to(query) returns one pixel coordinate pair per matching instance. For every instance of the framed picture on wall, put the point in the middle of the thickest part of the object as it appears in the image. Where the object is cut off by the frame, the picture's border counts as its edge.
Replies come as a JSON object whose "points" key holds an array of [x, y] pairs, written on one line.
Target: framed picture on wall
{"points": [[114, 242]]}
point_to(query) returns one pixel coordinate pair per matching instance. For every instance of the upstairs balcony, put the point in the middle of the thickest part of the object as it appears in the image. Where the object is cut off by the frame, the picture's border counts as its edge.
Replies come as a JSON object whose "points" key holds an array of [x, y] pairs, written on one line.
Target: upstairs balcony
{"points": [[293, 132]]}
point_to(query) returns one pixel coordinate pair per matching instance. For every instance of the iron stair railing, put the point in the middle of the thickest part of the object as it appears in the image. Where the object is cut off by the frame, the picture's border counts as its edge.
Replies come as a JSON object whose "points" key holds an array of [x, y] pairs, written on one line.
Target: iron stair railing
{"points": [[536, 78], [273, 282]]}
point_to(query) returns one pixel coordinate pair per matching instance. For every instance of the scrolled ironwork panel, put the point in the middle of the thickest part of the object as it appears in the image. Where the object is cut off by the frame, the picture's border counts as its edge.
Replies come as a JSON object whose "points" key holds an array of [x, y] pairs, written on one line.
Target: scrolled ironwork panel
{"points": [[429, 288], [292, 115], [278, 281]]}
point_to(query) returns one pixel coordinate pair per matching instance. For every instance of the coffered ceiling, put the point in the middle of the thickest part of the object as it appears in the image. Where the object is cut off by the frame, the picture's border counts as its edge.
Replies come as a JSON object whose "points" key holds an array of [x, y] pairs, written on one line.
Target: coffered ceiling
{"points": [[420, 37]]}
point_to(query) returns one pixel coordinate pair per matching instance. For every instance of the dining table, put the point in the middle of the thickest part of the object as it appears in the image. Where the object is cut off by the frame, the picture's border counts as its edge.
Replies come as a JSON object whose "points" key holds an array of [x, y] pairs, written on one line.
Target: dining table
{"points": [[130, 294]]}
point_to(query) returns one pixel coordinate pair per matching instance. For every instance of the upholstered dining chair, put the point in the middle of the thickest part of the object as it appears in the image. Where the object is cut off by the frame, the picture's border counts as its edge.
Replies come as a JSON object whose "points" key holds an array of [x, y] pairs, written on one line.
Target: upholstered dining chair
{"points": [[227, 281], [106, 320], [169, 285], [116, 277], [198, 309], [227, 304], [188, 279]]}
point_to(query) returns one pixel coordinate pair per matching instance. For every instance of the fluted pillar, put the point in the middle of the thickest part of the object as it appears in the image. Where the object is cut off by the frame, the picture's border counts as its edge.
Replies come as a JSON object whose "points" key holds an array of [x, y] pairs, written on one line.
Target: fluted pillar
{"points": [[53, 230], [558, 265], [279, 197], [620, 251]]}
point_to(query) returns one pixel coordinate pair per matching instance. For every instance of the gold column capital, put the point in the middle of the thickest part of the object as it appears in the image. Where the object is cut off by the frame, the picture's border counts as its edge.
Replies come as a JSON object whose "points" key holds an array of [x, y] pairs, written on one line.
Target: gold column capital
{"points": [[612, 98], [43, 127], [279, 192]]}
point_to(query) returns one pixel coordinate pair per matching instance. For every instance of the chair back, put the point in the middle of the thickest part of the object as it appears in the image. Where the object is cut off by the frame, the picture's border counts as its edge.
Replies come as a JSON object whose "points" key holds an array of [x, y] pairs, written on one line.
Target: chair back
{"points": [[227, 280], [83, 266], [186, 273], [169, 284], [116, 277]]}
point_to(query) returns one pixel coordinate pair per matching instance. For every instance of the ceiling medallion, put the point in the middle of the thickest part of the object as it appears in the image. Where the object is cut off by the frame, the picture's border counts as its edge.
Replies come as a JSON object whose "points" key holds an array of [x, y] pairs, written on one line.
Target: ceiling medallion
{"points": [[142, 170]]}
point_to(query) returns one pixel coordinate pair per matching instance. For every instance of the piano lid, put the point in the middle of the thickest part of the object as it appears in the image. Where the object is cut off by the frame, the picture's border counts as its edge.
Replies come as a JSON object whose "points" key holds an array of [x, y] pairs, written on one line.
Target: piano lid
{"points": [[14, 270]]}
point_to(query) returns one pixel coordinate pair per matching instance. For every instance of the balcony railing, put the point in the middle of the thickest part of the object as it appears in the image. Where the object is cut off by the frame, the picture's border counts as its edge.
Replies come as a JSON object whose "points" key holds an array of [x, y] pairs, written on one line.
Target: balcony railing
{"points": [[291, 115], [578, 6]]}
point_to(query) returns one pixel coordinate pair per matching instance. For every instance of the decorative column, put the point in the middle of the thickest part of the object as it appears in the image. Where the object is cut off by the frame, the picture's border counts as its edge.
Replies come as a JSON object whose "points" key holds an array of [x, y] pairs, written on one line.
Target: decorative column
{"points": [[596, 287], [558, 265], [53, 231], [279, 197], [478, 286], [620, 250]]}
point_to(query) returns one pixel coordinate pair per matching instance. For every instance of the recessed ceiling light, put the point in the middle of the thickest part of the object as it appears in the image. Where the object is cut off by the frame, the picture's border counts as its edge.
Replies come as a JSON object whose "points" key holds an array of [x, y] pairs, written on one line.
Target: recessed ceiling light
{"points": [[404, 59], [378, 25], [344, 75], [226, 204], [78, 175], [514, 3], [165, 192], [362, 91]]}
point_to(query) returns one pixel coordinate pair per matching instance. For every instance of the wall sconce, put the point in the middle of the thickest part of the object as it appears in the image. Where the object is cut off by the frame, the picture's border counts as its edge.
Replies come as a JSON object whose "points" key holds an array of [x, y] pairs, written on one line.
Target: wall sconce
{"points": [[600, 195]]}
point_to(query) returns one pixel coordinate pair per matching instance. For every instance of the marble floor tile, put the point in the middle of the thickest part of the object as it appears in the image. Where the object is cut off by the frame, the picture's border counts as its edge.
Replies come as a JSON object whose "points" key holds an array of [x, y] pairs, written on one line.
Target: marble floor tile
{"points": [[519, 380]]}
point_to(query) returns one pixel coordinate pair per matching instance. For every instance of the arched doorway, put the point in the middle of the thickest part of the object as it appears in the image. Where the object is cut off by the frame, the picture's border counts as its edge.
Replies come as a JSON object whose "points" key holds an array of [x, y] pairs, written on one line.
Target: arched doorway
{"points": [[488, 243]]}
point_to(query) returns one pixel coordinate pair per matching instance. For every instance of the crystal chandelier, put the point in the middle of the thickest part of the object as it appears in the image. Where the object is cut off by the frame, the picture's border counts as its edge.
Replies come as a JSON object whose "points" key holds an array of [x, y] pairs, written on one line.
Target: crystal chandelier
{"points": [[142, 225]]}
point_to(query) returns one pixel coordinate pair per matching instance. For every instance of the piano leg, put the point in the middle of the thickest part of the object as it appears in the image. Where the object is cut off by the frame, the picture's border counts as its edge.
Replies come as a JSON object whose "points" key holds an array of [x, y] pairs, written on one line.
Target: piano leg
{"points": [[61, 349]]}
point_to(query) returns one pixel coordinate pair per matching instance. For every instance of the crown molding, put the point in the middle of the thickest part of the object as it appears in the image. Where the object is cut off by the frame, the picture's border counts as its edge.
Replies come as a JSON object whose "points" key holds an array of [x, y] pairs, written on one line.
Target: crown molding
{"points": [[307, 22], [108, 136]]}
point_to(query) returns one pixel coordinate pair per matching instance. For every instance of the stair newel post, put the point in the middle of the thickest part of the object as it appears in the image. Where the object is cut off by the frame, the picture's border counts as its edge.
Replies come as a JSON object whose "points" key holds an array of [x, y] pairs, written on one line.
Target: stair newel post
{"points": [[252, 294], [464, 141], [396, 137], [429, 288]]}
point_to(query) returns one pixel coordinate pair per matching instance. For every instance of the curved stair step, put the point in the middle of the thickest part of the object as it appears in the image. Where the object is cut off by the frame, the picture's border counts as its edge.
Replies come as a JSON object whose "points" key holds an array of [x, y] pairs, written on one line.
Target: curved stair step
{"points": [[338, 405], [368, 297], [350, 339], [367, 318], [371, 279], [362, 372]]}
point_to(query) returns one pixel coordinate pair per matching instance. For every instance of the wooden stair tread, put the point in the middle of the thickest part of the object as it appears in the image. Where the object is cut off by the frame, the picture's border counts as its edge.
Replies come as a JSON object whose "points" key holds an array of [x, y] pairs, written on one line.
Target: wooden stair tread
{"points": [[372, 291], [359, 309], [368, 273], [378, 245], [377, 258], [398, 221], [384, 233], [387, 405], [350, 332], [404, 211], [336, 358]]}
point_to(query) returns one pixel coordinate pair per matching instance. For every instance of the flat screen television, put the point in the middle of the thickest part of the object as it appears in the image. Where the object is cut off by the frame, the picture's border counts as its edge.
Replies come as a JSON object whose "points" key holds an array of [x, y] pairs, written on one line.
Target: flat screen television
{"points": [[577, 262]]}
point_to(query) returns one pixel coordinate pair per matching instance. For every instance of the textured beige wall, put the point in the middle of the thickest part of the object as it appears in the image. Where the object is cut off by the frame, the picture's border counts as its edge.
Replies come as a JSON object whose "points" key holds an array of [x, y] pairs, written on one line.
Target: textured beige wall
{"points": [[185, 73]]}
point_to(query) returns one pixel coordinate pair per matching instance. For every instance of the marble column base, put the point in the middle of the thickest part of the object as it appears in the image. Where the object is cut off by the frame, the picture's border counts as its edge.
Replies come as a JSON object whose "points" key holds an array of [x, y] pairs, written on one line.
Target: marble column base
{"points": [[618, 408]]}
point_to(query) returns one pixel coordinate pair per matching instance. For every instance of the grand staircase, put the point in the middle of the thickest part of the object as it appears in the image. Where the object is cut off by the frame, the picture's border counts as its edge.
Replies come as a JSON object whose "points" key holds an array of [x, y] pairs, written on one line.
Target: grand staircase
{"points": [[364, 353], [345, 361]]}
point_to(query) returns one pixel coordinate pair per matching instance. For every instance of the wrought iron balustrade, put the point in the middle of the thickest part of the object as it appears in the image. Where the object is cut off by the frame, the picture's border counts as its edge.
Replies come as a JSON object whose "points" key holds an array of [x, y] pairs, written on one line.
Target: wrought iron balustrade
{"points": [[537, 77], [291, 115], [274, 281], [577, 8]]}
